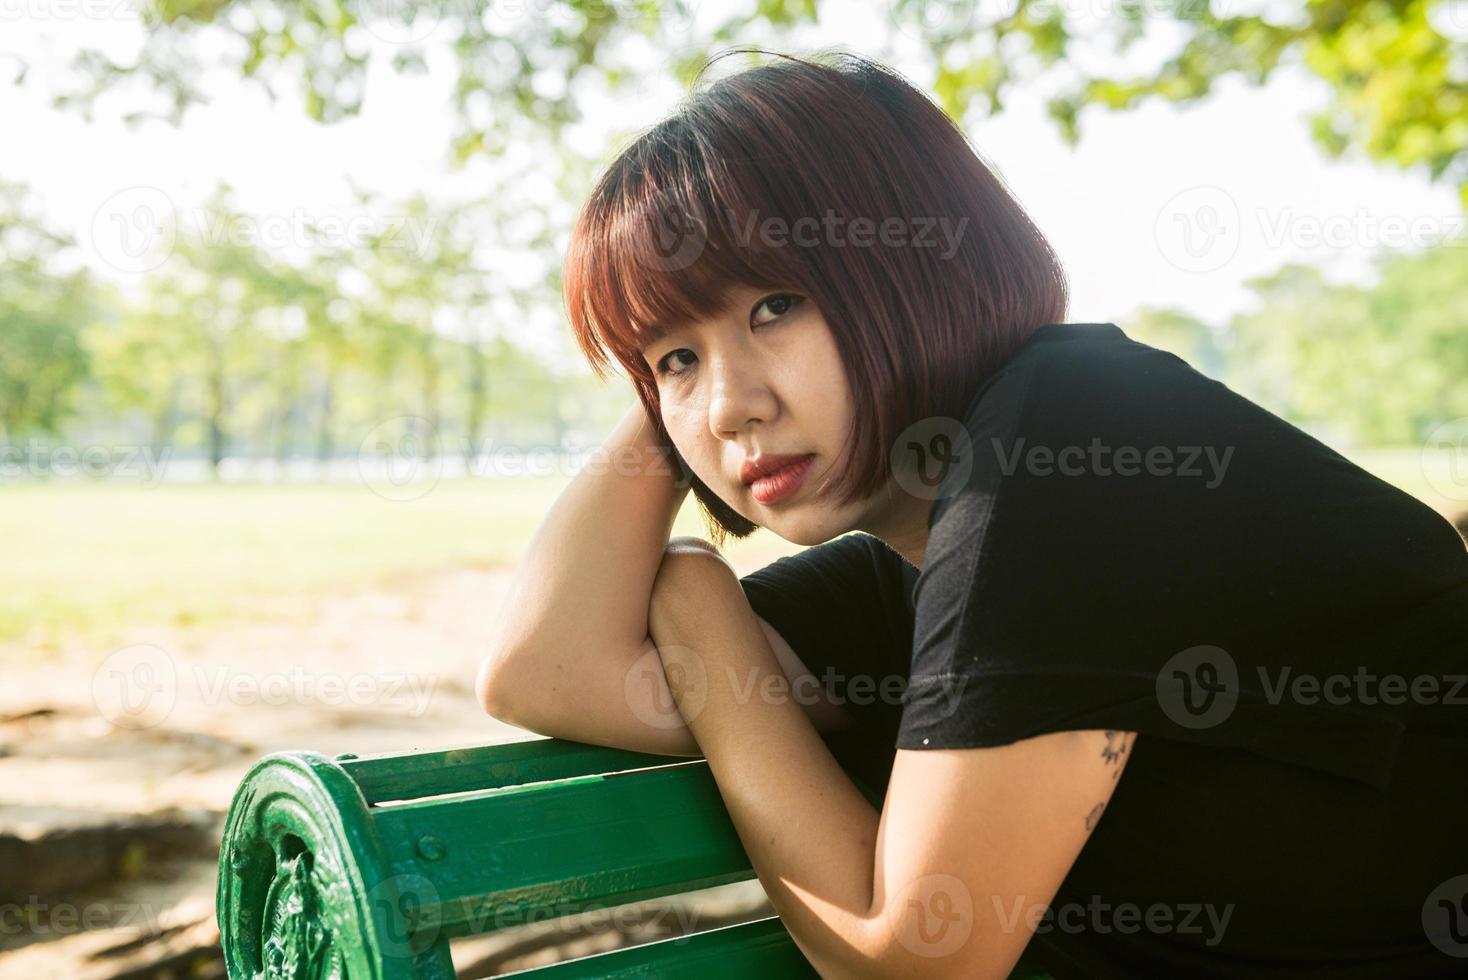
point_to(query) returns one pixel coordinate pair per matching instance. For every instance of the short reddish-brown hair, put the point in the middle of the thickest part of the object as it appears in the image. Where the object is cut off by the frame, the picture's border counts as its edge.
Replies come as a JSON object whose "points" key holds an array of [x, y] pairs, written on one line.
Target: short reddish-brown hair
{"points": [[664, 236]]}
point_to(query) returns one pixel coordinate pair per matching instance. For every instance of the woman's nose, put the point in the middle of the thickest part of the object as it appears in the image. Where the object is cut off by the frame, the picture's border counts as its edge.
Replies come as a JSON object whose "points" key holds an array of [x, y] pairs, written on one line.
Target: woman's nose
{"points": [[740, 396]]}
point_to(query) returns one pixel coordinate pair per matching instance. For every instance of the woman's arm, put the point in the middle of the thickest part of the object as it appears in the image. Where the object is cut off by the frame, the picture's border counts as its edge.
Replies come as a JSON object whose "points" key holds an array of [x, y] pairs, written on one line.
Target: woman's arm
{"points": [[948, 879], [571, 656], [580, 591]]}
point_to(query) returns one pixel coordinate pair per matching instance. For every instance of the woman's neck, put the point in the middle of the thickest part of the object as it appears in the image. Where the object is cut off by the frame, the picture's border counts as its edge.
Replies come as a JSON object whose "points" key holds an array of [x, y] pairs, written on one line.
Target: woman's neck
{"points": [[903, 526]]}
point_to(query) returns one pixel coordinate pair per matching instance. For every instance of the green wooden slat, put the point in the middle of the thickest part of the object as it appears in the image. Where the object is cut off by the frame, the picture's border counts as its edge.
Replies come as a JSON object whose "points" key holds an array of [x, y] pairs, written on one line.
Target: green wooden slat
{"points": [[412, 775], [502, 857], [762, 948]]}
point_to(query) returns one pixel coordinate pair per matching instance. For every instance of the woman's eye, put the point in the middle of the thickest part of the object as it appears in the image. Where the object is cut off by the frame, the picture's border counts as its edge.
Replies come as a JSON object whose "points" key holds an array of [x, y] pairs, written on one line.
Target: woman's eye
{"points": [[663, 364], [778, 303]]}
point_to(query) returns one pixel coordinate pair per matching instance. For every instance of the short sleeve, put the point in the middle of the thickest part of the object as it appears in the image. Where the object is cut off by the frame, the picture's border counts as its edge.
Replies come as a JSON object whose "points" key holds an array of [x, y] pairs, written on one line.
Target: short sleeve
{"points": [[1137, 547], [845, 608]]}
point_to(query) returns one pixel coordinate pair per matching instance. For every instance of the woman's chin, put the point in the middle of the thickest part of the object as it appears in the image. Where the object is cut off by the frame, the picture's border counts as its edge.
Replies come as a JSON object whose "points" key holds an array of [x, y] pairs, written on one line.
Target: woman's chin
{"points": [[807, 533]]}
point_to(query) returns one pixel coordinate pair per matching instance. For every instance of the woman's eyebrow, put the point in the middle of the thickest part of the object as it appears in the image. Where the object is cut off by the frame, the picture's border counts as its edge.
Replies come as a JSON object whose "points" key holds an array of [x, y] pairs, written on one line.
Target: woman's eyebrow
{"points": [[654, 333]]}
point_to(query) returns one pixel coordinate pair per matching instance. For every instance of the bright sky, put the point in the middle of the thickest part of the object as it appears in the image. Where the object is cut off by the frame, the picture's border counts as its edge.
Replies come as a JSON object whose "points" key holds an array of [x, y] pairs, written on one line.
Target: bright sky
{"points": [[1158, 206]]}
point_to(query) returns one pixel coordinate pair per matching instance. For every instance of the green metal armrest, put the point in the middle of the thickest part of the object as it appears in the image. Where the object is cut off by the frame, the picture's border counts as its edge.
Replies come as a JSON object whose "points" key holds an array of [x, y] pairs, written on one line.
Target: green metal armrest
{"points": [[366, 868]]}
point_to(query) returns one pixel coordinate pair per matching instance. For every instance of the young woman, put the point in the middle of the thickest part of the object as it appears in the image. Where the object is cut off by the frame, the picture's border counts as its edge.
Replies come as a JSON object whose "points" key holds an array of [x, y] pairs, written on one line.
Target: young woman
{"points": [[1119, 670]]}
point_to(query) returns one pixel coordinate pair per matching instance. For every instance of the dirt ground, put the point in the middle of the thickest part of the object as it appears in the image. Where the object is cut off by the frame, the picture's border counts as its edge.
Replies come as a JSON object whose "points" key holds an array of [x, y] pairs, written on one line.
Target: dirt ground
{"points": [[116, 768]]}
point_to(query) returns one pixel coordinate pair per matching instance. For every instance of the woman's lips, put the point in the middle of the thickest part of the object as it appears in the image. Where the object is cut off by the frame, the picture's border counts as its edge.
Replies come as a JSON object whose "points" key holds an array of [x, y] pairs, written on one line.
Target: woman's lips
{"points": [[777, 486]]}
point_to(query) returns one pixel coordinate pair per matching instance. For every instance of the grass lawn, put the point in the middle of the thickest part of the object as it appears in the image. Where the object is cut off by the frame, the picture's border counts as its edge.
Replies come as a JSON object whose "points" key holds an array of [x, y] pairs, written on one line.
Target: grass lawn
{"points": [[87, 559]]}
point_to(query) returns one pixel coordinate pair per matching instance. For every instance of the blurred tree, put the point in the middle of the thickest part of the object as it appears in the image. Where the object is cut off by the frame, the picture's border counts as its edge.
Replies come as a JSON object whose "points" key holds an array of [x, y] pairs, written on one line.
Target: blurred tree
{"points": [[419, 271], [43, 309], [1178, 333], [124, 347], [335, 336], [207, 334], [1384, 363]]}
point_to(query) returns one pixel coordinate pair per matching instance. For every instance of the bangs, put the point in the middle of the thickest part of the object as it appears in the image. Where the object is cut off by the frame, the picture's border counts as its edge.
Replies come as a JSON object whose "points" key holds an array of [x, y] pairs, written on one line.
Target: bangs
{"points": [[662, 244]]}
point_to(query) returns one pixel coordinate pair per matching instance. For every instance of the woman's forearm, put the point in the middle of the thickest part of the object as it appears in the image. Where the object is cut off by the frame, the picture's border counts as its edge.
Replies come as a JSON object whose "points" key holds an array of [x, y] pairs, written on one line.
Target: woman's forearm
{"points": [[583, 586]]}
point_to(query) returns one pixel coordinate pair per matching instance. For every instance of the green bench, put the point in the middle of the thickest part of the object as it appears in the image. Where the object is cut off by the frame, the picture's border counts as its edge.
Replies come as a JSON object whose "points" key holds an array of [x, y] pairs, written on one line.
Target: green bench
{"points": [[367, 868]]}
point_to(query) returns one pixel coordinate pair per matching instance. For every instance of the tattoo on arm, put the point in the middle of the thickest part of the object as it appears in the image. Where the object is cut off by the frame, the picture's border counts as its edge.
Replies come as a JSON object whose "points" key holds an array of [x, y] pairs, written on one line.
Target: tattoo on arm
{"points": [[1116, 747], [1113, 754]]}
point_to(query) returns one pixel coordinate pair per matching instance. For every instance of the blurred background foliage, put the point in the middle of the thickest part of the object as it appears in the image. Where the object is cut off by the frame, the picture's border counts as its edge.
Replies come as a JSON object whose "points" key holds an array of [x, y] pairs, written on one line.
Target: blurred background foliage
{"points": [[1395, 67], [229, 349], [226, 349]]}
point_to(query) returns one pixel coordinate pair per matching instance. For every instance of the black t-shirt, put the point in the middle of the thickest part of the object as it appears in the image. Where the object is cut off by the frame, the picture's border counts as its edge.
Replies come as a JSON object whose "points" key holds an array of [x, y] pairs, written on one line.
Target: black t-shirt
{"points": [[1131, 545]]}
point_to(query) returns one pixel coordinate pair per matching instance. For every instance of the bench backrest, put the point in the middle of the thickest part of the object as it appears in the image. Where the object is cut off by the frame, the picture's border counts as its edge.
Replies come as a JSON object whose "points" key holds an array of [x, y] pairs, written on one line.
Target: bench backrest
{"points": [[368, 867]]}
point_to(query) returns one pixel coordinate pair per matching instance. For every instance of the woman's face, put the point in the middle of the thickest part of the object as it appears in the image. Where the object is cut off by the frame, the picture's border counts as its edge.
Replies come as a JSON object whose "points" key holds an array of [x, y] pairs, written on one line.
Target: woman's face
{"points": [[761, 378]]}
